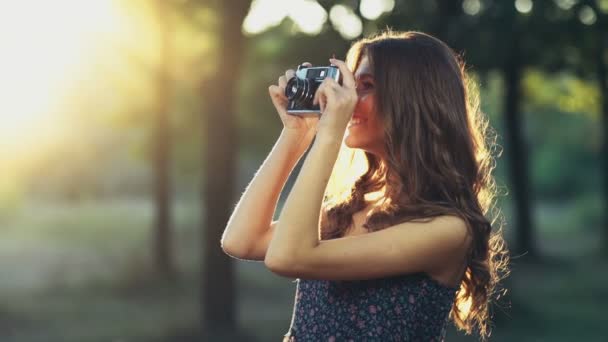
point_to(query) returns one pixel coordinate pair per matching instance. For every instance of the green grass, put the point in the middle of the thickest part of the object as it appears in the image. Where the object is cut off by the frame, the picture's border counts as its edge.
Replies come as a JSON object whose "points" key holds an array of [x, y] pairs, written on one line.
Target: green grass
{"points": [[83, 272]]}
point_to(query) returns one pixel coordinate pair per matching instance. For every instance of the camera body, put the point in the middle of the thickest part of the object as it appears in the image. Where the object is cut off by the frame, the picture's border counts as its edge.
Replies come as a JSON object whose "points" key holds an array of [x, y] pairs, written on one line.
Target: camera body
{"points": [[301, 89]]}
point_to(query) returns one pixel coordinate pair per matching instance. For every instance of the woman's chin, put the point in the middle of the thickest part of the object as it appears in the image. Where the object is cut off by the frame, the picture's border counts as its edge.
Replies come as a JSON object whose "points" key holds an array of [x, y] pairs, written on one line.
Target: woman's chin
{"points": [[352, 142]]}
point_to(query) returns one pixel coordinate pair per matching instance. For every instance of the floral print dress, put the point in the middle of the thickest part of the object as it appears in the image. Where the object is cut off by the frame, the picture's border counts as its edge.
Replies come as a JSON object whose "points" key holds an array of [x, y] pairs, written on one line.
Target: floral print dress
{"points": [[411, 307]]}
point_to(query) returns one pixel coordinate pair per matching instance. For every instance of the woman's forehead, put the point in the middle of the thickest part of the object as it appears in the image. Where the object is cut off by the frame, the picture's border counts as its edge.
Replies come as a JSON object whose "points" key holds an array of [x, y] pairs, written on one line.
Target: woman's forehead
{"points": [[363, 67]]}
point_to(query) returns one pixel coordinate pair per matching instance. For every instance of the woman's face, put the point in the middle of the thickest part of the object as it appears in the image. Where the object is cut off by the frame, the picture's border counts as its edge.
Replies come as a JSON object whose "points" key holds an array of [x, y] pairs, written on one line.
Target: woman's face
{"points": [[368, 133]]}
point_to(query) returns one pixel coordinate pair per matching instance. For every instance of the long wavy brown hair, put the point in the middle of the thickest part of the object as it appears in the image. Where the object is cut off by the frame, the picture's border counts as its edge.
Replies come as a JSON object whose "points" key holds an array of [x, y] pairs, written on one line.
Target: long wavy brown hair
{"points": [[439, 158]]}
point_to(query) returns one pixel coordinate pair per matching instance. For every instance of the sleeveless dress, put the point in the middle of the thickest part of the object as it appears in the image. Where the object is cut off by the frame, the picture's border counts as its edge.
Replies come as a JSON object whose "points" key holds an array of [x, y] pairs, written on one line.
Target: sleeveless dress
{"points": [[410, 307]]}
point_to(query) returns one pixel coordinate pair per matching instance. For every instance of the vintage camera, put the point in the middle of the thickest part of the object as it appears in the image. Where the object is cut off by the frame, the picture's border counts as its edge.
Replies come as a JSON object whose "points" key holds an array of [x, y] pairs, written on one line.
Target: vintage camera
{"points": [[300, 89]]}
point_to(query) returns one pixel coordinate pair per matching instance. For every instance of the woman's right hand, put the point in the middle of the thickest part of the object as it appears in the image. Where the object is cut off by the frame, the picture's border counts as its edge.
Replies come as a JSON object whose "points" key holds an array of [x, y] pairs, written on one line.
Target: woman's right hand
{"points": [[301, 125]]}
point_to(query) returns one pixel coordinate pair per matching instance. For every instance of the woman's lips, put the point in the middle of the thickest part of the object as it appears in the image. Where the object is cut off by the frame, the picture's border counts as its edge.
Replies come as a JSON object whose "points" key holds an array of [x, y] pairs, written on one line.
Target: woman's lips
{"points": [[356, 120], [357, 115]]}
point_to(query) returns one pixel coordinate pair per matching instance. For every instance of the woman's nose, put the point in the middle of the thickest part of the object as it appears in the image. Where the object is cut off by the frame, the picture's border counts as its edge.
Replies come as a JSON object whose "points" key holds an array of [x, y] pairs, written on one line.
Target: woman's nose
{"points": [[359, 97]]}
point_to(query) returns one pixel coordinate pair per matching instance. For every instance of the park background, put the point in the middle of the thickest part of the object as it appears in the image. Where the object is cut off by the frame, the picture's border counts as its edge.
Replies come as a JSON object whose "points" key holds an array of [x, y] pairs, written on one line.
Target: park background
{"points": [[128, 130]]}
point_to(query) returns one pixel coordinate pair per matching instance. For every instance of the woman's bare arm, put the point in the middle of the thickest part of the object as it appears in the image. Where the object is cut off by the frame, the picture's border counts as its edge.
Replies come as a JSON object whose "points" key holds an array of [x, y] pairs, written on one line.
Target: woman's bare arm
{"points": [[249, 228]]}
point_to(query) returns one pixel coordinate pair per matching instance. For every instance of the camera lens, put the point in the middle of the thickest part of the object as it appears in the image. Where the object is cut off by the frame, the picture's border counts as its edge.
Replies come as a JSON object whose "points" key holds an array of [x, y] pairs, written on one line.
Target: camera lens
{"points": [[298, 90]]}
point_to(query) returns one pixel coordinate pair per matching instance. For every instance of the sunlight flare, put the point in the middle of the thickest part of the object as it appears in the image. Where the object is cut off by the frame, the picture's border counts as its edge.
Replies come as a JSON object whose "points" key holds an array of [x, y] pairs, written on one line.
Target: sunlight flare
{"points": [[43, 45]]}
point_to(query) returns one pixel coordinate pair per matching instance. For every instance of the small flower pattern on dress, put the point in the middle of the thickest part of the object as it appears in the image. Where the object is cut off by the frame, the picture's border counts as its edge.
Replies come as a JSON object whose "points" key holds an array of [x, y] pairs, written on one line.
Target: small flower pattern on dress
{"points": [[411, 307]]}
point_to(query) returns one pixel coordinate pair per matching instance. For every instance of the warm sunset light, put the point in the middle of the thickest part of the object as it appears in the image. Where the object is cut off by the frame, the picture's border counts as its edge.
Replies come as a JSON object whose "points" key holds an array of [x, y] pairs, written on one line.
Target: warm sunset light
{"points": [[44, 44], [146, 154]]}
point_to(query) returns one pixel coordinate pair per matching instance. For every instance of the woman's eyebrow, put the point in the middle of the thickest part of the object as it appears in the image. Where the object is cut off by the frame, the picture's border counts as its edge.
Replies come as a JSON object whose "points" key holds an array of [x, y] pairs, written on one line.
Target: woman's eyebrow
{"points": [[364, 74]]}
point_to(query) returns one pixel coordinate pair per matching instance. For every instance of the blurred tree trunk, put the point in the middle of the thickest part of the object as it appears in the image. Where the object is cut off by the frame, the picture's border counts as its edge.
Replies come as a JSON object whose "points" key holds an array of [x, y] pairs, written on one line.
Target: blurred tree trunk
{"points": [[602, 51], [162, 182], [217, 276], [518, 154]]}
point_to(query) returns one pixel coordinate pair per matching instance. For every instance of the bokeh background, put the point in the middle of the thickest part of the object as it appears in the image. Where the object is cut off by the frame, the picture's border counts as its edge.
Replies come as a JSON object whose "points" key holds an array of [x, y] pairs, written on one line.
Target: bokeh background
{"points": [[129, 128]]}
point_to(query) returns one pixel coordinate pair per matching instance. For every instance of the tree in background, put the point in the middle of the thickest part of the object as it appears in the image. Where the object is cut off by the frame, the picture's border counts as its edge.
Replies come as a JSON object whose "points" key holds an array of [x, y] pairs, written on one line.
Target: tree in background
{"points": [[600, 56], [219, 96], [512, 66], [162, 139], [602, 51]]}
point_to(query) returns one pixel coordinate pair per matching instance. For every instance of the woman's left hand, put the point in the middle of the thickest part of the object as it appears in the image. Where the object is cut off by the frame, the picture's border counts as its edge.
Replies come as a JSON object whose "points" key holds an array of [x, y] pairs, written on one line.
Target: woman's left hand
{"points": [[337, 102]]}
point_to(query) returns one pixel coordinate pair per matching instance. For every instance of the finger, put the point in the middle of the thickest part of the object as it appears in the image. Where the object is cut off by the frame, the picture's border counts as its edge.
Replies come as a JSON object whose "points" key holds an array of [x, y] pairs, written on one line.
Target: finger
{"points": [[277, 95], [315, 98], [330, 87], [289, 74], [348, 79], [307, 64], [282, 81], [331, 83], [320, 97], [321, 90], [273, 89], [322, 103]]}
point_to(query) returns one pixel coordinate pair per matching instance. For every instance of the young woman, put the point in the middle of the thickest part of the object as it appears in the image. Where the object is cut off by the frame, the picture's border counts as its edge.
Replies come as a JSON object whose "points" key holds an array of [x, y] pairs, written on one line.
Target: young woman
{"points": [[385, 227]]}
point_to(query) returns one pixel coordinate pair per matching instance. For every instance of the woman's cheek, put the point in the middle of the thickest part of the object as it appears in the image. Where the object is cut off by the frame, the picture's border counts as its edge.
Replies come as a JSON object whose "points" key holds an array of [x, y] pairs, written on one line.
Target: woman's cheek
{"points": [[365, 105]]}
